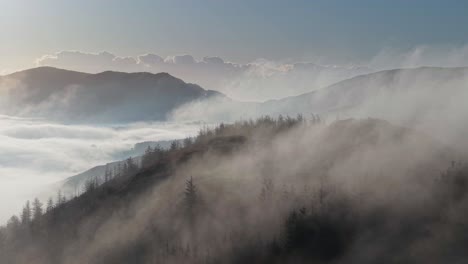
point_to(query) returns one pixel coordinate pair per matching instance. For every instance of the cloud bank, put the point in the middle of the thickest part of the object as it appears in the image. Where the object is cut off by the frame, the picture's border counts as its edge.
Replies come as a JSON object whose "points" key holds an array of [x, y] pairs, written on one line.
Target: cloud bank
{"points": [[261, 79], [258, 80], [35, 153]]}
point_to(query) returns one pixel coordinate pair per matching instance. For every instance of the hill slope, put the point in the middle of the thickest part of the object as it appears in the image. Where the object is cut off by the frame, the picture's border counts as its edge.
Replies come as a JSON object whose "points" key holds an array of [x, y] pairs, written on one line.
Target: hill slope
{"points": [[407, 91], [104, 97], [361, 90], [267, 191], [74, 184], [427, 99]]}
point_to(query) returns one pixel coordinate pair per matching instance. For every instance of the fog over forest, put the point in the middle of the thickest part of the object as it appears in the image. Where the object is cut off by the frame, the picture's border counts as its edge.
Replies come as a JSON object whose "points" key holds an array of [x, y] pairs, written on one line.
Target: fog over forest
{"points": [[239, 131], [38, 154]]}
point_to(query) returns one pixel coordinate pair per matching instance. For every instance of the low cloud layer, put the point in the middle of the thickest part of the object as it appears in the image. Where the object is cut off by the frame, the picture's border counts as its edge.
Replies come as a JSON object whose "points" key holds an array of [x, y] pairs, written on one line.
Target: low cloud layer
{"points": [[35, 154]]}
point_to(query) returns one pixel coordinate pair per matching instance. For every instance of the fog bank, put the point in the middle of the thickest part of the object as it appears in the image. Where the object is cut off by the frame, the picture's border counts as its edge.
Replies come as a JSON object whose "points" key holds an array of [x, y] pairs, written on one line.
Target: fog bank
{"points": [[37, 153]]}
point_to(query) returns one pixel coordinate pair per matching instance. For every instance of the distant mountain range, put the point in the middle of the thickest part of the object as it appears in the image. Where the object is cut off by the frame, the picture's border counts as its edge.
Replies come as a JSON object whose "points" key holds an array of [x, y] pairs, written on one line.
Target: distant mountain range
{"points": [[398, 94], [126, 97], [70, 96], [359, 90]]}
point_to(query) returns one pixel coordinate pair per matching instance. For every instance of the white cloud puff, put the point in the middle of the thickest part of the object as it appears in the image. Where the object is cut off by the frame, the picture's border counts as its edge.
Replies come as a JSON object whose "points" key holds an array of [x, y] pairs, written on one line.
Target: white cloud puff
{"points": [[181, 59], [150, 59], [213, 60]]}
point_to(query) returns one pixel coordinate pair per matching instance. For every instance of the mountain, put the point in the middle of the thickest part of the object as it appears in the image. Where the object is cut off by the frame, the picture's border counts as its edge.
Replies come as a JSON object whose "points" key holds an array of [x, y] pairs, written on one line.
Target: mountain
{"points": [[70, 96], [74, 184], [428, 99], [392, 86], [120, 97], [375, 94], [265, 191]]}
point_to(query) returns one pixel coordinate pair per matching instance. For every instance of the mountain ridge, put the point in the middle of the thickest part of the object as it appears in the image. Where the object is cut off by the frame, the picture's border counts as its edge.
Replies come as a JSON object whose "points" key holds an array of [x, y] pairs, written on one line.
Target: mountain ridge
{"points": [[107, 96], [273, 183], [359, 77]]}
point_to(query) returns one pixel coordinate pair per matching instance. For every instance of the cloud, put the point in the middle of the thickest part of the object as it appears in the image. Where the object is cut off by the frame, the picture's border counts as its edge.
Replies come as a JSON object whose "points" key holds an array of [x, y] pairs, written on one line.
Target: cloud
{"points": [[36, 153], [125, 60], [150, 59], [79, 60], [180, 59], [424, 55], [261, 79], [213, 60]]}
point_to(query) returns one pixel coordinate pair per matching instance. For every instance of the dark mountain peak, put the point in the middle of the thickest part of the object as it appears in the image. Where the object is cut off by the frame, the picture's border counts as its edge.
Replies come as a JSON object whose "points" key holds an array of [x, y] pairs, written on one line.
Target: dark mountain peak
{"points": [[109, 96], [48, 71], [44, 70], [135, 74]]}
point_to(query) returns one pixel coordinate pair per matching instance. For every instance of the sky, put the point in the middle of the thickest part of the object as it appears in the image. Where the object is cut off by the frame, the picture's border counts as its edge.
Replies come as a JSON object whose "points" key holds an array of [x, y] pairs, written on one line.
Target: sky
{"points": [[241, 31]]}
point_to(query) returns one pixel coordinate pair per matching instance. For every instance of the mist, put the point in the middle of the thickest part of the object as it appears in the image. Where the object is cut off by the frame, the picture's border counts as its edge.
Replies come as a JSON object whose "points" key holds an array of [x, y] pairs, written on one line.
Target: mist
{"points": [[206, 132], [259, 80], [429, 99], [251, 177], [38, 154], [262, 79]]}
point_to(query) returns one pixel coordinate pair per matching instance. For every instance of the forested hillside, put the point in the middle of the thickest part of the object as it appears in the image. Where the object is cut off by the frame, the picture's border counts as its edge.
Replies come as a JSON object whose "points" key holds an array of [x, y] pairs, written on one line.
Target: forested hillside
{"points": [[285, 190]]}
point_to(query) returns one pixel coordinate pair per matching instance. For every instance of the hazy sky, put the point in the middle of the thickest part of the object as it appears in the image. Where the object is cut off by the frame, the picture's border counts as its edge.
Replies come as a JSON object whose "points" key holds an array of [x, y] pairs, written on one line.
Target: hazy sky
{"points": [[240, 30]]}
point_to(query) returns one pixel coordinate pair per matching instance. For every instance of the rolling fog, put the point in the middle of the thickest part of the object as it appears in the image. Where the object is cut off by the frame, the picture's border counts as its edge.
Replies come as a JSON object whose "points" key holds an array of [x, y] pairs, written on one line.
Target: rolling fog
{"points": [[36, 155], [430, 100], [369, 164], [367, 176]]}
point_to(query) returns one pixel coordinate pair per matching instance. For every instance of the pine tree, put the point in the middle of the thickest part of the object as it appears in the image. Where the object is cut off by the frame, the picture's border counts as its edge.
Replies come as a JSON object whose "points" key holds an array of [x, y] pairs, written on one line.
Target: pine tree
{"points": [[188, 142], [50, 205], [119, 171], [14, 223], [107, 174], [148, 157], [174, 145], [91, 184], [191, 196], [14, 220], [26, 214], [59, 198], [37, 209], [64, 199], [130, 166]]}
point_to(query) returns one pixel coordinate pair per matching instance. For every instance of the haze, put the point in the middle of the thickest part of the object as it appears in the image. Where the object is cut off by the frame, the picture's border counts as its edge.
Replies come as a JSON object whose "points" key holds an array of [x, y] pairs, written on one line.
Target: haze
{"points": [[238, 131]]}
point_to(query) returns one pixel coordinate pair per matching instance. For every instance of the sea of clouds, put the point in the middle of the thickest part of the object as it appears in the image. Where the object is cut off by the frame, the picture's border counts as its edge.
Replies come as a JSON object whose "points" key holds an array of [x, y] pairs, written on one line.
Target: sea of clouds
{"points": [[37, 154]]}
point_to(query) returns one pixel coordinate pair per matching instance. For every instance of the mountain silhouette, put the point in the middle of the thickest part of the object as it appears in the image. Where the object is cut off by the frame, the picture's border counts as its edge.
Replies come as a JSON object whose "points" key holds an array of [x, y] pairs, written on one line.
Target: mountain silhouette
{"points": [[70, 96]]}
